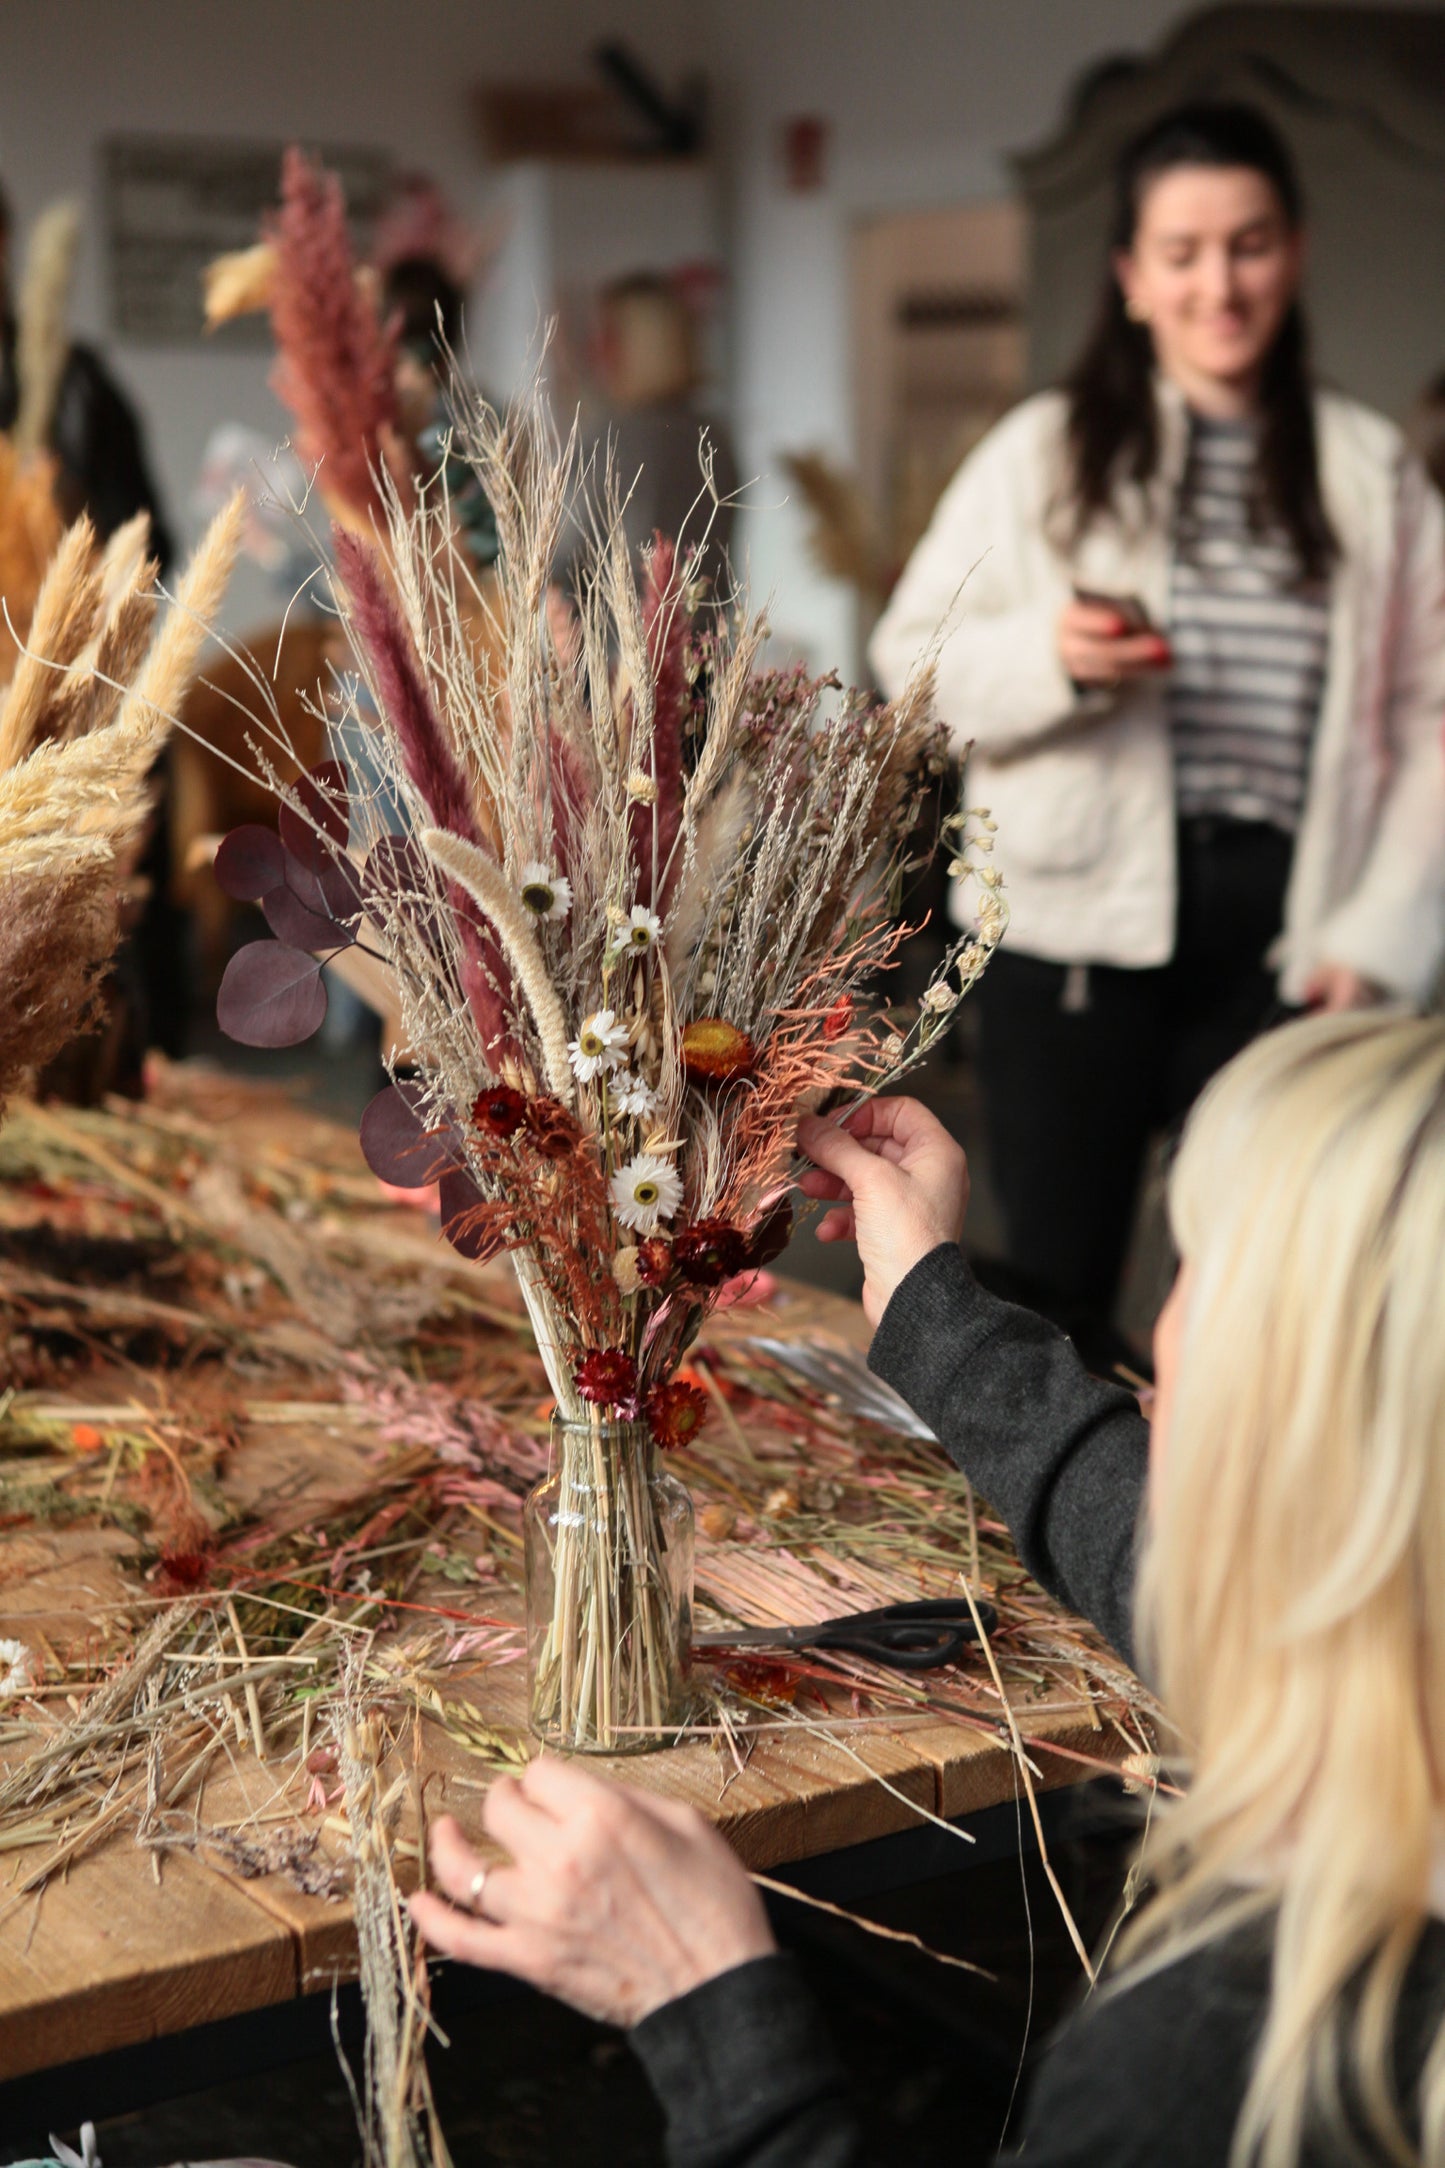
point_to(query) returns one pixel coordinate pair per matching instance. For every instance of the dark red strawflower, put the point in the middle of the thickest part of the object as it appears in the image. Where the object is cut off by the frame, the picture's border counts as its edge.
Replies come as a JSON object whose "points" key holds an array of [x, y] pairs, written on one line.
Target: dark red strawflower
{"points": [[654, 1261], [499, 1111], [551, 1127], [838, 1018], [676, 1413], [186, 1569], [709, 1252], [606, 1375]]}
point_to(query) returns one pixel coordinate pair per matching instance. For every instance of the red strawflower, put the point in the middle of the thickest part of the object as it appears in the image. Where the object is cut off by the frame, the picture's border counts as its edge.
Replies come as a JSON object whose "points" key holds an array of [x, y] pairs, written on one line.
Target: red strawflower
{"points": [[499, 1111], [709, 1252], [676, 1413], [838, 1018], [606, 1375], [654, 1261], [185, 1569]]}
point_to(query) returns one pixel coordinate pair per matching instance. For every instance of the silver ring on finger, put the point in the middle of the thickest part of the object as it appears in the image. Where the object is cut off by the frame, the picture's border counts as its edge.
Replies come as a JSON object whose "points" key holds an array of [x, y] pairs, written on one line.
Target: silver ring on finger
{"points": [[475, 1888]]}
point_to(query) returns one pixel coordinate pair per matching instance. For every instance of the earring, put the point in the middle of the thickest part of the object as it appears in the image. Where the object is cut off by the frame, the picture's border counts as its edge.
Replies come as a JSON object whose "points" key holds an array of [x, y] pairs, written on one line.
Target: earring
{"points": [[1136, 311]]}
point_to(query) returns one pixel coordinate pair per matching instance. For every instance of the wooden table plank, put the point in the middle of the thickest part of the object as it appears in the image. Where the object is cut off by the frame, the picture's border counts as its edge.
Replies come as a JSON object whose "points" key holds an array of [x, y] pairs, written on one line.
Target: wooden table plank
{"points": [[111, 1958]]}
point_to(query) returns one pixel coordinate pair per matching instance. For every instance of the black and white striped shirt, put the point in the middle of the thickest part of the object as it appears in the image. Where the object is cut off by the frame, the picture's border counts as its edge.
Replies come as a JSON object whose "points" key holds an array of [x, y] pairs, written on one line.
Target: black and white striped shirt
{"points": [[1249, 643]]}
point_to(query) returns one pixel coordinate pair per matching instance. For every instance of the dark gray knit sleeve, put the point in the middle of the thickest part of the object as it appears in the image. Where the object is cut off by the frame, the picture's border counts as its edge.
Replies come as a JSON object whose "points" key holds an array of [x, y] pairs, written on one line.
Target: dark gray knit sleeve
{"points": [[747, 2075], [1060, 1455]]}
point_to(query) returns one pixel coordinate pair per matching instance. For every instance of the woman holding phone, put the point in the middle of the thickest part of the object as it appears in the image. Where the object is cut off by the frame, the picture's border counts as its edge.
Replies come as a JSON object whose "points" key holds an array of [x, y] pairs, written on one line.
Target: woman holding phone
{"points": [[1188, 611]]}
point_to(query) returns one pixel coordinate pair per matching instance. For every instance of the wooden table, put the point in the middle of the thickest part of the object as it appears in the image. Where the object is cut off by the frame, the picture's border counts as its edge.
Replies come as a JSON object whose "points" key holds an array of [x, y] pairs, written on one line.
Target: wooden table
{"points": [[132, 1946]]}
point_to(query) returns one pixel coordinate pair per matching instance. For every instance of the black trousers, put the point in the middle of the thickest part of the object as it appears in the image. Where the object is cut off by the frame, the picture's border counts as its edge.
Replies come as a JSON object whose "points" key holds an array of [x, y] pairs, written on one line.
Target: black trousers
{"points": [[1080, 1066]]}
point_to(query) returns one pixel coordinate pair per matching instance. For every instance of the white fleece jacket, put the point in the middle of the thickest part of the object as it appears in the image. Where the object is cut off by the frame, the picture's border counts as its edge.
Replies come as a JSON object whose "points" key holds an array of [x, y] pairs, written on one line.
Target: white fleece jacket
{"points": [[1082, 788]]}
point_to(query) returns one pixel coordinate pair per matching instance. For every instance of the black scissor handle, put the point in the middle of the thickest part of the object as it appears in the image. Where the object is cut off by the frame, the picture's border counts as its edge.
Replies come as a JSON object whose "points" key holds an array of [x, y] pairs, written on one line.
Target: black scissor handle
{"points": [[907, 1636]]}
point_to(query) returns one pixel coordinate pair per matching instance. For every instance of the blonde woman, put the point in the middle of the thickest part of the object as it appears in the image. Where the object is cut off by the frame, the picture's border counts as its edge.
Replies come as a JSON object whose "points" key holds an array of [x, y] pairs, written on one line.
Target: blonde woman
{"points": [[1281, 1999]]}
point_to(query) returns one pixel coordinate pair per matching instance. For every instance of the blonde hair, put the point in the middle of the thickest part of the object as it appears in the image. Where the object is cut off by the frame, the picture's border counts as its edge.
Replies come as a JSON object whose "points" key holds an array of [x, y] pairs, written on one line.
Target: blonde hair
{"points": [[1292, 1591]]}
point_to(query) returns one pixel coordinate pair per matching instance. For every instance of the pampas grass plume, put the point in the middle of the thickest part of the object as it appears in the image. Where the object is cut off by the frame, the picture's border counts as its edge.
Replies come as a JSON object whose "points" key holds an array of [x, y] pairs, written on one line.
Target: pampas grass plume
{"points": [[42, 340]]}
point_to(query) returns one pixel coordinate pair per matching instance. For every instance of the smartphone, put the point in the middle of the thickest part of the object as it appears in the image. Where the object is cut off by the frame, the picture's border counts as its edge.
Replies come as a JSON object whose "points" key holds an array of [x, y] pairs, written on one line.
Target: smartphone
{"points": [[1128, 608]]}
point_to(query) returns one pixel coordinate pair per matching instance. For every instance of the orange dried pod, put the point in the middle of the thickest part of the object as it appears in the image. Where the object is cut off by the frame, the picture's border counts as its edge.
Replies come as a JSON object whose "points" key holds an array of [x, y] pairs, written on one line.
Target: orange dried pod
{"points": [[715, 1051]]}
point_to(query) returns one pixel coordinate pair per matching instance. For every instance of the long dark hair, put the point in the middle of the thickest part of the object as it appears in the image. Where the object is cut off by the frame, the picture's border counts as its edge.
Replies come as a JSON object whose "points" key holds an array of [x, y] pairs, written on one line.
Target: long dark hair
{"points": [[1113, 429]]}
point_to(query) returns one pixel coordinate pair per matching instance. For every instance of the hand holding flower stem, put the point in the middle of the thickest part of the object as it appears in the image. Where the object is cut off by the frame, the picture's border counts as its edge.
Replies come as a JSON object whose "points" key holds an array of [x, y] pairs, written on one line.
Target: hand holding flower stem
{"points": [[898, 1185]]}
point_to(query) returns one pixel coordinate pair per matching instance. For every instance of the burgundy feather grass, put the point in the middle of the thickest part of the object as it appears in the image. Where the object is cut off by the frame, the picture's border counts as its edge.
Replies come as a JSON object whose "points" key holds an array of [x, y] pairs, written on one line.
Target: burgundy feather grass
{"points": [[336, 360], [430, 761], [434, 769], [655, 827]]}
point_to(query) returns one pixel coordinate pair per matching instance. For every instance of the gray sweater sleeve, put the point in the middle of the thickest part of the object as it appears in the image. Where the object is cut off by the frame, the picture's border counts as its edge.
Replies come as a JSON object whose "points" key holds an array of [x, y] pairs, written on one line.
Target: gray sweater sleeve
{"points": [[747, 2076], [1060, 1455]]}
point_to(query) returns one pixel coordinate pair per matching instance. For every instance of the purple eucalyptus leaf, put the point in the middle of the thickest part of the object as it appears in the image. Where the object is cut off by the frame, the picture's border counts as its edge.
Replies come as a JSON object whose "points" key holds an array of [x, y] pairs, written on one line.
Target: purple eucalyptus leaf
{"points": [[461, 1203], [270, 996], [400, 1143], [300, 927], [250, 863], [322, 794], [340, 886]]}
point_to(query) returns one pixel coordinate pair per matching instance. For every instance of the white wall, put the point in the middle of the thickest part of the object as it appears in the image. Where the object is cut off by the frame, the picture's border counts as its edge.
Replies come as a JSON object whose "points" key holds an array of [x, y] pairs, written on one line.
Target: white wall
{"points": [[924, 98]]}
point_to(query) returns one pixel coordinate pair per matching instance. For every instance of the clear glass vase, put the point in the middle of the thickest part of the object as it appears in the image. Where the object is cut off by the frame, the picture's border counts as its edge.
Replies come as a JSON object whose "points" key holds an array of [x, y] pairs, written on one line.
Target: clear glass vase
{"points": [[609, 1542]]}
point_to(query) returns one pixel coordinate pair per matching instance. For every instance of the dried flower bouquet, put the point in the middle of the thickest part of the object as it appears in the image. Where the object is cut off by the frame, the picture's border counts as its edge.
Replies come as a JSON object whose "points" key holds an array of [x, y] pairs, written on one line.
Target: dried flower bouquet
{"points": [[636, 893]]}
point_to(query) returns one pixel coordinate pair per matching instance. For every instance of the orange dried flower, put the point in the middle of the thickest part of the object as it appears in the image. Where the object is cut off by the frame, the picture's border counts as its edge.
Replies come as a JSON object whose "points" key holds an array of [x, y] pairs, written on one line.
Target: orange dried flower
{"points": [[838, 1018], [715, 1051]]}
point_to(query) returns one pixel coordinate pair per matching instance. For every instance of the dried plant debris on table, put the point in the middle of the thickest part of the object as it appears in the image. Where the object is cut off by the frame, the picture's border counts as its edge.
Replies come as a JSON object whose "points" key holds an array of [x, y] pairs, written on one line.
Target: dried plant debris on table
{"points": [[284, 1537]]}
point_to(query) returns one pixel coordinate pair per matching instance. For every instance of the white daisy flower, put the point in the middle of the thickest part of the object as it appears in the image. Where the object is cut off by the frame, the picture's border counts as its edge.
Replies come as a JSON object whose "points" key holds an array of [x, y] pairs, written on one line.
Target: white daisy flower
{"points": [[646, 1190], [632, 1094], [21, 1669], [600, 1045], [637, 933], [546, 894]]}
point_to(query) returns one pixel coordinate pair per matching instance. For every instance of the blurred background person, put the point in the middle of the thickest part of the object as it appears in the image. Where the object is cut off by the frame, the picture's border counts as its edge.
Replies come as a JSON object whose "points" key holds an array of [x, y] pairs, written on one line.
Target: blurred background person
{"points": [[649, 414], [95, 436], [1196, 633], [101, 468]]}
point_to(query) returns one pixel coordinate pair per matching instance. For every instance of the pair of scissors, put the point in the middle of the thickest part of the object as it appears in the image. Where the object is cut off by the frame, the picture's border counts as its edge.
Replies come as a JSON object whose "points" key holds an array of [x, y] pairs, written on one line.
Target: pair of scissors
{"points": [[904, 1636]]}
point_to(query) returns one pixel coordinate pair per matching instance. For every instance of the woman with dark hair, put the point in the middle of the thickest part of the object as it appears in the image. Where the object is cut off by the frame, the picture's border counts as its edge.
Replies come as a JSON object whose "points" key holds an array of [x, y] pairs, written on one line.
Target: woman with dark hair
{"points": [[1193, 626]]}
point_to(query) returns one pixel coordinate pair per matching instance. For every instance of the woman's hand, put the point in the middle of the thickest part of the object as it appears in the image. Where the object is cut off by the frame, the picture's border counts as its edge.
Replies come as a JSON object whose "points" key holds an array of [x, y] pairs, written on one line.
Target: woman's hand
{"points": [[899, 1185], [1333, 987], [1096, 646], [612, 1900]]}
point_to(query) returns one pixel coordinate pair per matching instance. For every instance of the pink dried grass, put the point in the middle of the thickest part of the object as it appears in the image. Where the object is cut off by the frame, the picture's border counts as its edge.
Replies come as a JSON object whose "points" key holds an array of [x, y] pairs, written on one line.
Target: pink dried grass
{"points": [[336, 360]]}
